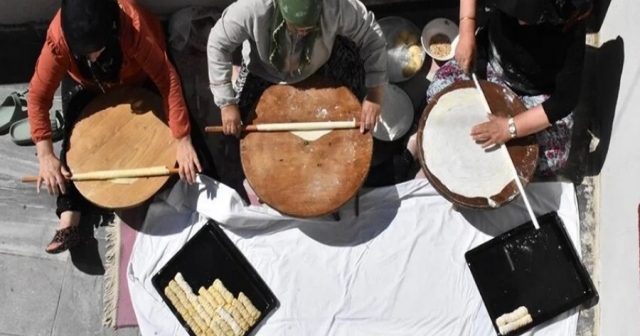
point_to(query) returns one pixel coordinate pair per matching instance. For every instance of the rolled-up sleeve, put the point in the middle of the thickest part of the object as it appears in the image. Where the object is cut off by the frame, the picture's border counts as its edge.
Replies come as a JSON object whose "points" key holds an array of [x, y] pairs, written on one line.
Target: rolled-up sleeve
{"points": [[229, 32], [51, 67], [359, 24], [568, 81]]}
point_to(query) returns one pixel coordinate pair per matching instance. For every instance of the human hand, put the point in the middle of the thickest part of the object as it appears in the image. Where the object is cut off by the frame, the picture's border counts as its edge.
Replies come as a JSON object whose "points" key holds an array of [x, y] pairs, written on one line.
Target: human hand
{"points": [[465, 52], [231, 120], [188, 164], [370, 115], [371, 108], [493, 132], [52, 174]]}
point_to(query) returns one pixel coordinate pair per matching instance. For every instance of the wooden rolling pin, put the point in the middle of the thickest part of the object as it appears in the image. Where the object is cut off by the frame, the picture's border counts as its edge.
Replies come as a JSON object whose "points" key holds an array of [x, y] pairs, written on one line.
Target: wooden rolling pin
{"points": [[115, 174], [289, 127]]}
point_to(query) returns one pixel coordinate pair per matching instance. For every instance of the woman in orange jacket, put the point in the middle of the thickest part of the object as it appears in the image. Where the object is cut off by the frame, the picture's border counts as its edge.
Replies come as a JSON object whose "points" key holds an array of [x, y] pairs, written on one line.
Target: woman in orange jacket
{"points": [[92, 47]]}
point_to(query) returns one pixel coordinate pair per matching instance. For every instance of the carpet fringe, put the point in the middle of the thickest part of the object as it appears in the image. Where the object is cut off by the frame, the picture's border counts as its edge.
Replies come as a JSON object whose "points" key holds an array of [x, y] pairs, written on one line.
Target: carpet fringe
{"points": [[112, 276]]}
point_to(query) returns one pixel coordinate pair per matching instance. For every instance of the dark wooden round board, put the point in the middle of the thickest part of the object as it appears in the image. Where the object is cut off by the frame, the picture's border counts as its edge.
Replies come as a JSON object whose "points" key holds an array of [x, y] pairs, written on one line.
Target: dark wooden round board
{"points": [[303, 178], [123, 129], [523, 151]]}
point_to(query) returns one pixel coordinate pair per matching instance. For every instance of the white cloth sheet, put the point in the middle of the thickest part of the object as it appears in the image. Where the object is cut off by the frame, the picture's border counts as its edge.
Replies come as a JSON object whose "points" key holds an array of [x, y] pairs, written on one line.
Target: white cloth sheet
{"points": [[397, 269]]}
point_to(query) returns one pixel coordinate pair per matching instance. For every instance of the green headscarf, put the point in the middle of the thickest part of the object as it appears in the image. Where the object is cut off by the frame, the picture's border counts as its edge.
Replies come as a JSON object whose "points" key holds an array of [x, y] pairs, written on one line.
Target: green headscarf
{"points": [[304, 13]]}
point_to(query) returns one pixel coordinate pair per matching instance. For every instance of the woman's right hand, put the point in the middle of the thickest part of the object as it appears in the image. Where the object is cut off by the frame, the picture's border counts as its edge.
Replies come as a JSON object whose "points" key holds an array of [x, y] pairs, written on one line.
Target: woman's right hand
{"points": [[465, 52], [231, 120], [52, 174]]}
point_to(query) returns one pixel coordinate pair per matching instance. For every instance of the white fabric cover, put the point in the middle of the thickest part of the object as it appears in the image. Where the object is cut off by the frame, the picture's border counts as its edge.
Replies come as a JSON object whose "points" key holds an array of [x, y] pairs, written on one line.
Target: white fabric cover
{"points": [[397, 269]]}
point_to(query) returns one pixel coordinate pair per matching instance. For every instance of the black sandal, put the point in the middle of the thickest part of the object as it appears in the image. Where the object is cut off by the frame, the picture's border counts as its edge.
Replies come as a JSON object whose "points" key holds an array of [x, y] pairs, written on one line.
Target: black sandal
{"points": [[67, 238]]}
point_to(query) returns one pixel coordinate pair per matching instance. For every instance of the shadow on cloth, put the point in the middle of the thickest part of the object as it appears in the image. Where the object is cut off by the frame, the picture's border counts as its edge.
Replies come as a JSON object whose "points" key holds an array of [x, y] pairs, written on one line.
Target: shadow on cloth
{"points": [[496, 222], [353, 231], [374, 218]]}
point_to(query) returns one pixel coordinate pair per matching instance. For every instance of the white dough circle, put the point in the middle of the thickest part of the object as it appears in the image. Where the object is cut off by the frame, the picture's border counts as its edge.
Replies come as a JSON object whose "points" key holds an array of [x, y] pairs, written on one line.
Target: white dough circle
{"points": [[311, 135], [454, 157]]}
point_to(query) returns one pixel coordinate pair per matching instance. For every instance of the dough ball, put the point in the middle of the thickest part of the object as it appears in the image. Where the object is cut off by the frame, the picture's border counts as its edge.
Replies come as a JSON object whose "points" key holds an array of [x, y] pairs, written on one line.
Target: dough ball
{"points": [[415, 53], [410, 69]]}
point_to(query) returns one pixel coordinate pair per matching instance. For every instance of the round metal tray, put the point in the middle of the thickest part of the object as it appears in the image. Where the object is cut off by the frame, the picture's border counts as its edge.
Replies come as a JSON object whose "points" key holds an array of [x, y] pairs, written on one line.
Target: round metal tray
{"points": [[398, 54]]}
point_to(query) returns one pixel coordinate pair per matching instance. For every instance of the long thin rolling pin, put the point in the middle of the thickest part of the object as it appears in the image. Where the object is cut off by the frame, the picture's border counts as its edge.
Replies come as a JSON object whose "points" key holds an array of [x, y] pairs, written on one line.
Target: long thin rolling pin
{"points": [[288, 127], [513, 166], [115, 174]]}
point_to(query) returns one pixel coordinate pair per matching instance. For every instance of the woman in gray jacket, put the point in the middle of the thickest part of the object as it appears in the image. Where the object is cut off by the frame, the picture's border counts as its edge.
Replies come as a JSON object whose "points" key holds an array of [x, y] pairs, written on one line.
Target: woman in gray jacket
{"points": [[287, 41]]}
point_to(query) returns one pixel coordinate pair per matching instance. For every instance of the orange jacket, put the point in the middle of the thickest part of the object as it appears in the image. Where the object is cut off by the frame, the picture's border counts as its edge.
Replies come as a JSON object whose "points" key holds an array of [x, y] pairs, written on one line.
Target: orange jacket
{"points": [[144, 56]]}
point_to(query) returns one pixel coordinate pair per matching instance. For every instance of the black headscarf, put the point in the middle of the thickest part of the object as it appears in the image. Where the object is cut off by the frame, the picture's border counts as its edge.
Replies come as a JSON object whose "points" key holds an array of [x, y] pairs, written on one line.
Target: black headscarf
{"points": [[87, 24], [554, 12]]}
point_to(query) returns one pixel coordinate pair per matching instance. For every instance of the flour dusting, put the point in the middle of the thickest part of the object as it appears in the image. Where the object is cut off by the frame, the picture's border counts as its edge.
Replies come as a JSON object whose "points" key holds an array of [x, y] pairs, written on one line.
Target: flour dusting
{"points": [[321, 113]]}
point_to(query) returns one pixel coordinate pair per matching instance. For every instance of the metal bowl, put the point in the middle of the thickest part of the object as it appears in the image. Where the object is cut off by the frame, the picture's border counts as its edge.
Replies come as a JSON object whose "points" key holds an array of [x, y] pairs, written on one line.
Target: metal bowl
{"points": [[401, 35], [397, 114]]}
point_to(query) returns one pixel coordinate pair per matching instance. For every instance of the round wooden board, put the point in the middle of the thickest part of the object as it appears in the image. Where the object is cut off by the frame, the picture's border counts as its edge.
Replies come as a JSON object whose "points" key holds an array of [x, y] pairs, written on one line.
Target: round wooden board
{"points": [[123, 129], [523, 151], [306, 178]]}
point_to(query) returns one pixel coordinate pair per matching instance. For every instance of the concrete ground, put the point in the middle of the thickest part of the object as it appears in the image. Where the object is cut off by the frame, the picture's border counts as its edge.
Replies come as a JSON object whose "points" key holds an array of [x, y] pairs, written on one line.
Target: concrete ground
{"points": [[42, 294]]}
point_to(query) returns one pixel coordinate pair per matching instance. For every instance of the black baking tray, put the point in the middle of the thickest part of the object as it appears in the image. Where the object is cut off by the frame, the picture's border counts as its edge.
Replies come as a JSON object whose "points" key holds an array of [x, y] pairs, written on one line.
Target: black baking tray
{"points": [[539, 269], [211, 255]]}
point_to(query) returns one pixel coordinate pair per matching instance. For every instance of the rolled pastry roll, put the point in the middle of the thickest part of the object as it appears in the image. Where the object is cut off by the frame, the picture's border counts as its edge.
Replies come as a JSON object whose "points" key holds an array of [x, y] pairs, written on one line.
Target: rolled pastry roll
{"points": [[196, 330], [170, 294], [216, 296], [189, 307], [182, 311], [209, 297], [243, 311], [248, 305], [173, 285], [179, 293], [230, 321], [172, 298], [192, 298], [244, 324], [206, 317], [208, 310], [515, 325], [200, 322], [510, 317], [215, 327], [183, 283], [226, 328], [228, 297]]}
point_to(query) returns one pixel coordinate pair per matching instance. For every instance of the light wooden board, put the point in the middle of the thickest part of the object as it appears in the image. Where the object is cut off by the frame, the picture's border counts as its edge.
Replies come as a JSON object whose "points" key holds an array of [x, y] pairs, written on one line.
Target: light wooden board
{"points": [[124, 129]]}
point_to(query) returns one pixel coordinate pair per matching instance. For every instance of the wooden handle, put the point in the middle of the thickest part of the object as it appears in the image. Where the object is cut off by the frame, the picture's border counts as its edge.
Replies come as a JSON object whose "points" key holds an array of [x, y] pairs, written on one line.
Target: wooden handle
{"points": [[115, 174], [289, 127]]}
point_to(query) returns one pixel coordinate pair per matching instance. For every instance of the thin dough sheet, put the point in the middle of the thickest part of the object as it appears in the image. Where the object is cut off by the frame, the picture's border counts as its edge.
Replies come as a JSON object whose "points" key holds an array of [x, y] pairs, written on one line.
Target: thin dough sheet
{"points": [[451, 154]]}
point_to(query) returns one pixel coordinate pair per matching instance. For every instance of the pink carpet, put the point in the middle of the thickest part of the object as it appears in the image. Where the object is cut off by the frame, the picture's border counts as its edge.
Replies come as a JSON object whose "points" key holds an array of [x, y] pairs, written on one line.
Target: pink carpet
{"points": [[119, 311]]}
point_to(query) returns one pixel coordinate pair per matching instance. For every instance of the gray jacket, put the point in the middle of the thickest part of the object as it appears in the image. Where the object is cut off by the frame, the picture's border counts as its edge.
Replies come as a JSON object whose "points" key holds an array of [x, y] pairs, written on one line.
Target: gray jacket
{"points": [[249, 22]]}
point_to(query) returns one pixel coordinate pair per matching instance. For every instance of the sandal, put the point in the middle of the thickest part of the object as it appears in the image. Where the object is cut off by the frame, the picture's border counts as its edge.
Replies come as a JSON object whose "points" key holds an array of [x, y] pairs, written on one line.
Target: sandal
{"points": [[67, 238], [20, 131], [12, 109]]}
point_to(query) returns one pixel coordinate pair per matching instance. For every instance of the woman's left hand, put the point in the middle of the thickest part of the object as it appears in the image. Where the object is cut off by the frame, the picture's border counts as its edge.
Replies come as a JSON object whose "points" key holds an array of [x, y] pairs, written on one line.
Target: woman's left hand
{"points": [[188, 163], [495, 131]]}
